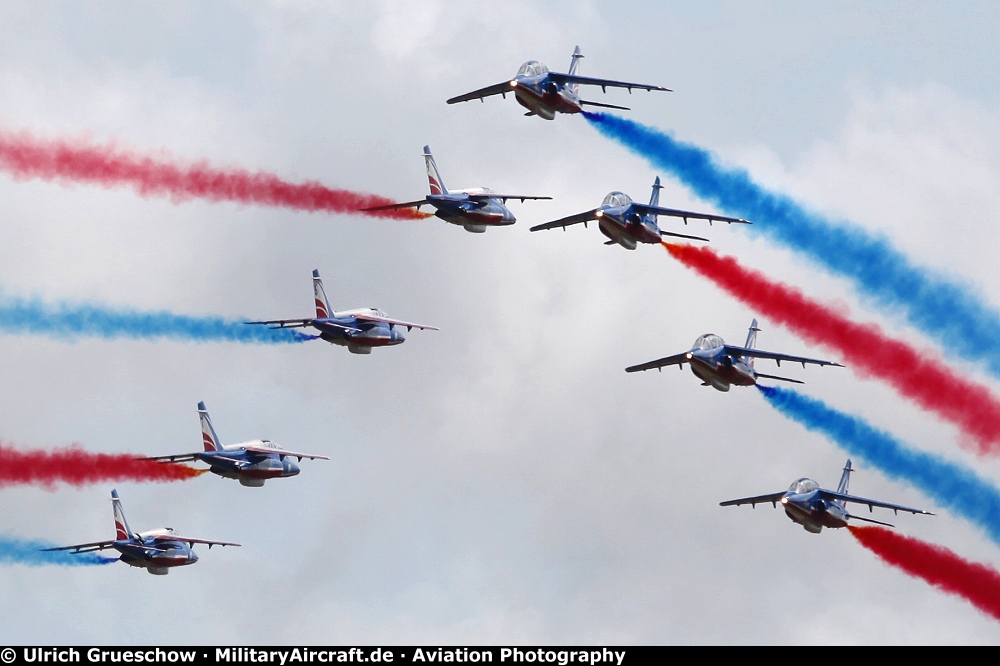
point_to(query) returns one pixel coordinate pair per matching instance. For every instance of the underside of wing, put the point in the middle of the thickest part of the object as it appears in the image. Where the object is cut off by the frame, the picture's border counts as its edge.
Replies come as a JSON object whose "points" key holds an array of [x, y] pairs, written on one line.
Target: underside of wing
{"points": [[567, 221], [283, 323], [180, 457], [676, 359], [282, 452], [496, 89], [503, 197], [395, 322], [646, 209], [407, 204], [603, 83], [760, 353], [191, 541], [829, 494], [84, 547], [772, 498]]}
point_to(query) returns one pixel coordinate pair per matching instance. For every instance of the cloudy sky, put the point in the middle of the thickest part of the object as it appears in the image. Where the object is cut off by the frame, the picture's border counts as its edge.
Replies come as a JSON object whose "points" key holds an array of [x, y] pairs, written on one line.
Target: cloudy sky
{"points": [[501, 480]]}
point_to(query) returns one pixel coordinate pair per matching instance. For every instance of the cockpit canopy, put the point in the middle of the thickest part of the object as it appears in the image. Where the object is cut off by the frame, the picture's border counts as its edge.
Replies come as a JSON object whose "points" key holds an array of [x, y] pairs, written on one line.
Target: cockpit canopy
{"points": [[803, 486], [709, 341], [617, 200], [532, 68]]}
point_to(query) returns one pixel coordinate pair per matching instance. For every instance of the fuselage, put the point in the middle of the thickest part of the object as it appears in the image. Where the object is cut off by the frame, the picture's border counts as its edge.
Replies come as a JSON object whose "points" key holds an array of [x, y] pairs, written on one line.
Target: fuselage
{"points": [[156, 555], [535, 90], [363, 334], [804, 505], [618, 220], [474, 215], [713, 365], [251, 468]]}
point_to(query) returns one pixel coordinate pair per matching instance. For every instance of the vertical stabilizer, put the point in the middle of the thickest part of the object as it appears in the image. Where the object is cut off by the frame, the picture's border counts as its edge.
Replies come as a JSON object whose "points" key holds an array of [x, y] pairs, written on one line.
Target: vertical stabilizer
{"points": [[845, 478], [433, 177], [574, 64], [208, 436], [752, 339], [323, 310], [122, 530], [654, 198]]}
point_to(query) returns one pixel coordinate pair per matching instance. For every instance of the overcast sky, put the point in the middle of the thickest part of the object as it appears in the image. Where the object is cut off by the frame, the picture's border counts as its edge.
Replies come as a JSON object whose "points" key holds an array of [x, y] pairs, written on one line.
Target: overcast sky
{"points": [[501, 480]]}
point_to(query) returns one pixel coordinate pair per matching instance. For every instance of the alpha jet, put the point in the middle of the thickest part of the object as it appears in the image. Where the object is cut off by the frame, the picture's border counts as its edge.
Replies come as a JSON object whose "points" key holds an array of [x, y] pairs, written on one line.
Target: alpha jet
{"points": [[544, 93], [251, 463], [359, 330], [815, 508], [474, 208], [628, 223], [156, 551], [720, 365]]}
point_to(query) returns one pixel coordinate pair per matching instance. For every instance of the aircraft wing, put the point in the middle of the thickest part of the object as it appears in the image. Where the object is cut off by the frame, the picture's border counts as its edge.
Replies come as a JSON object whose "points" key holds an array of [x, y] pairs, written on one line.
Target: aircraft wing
{"points": [[566, 221], [180, 457], [284, 323], [488, 91], [408, 204], [397, 322], [604, 83], [778, 358], [190, 541], [773, 498], [646, 209], [503, 197], [829, 494], [84, 547], [676, 359], [282, 452]]}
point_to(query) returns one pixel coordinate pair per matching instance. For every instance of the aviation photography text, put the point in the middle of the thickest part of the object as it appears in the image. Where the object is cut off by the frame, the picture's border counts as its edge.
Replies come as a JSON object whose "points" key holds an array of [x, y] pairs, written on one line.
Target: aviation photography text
{"points": [[312, 655]]}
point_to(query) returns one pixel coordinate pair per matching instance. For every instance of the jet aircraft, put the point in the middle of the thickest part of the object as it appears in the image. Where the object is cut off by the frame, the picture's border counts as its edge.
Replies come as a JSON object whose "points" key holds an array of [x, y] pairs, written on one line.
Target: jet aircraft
{"points": [[359, 330], [815, 508], [720, 365], [544, 93], [251, 463], [154, 550], [474, 208], [627, 223]]}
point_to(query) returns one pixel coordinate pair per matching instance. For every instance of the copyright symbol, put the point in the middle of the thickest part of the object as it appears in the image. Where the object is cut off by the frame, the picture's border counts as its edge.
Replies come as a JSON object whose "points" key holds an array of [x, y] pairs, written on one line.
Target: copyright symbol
{"points": [[8, 655]]}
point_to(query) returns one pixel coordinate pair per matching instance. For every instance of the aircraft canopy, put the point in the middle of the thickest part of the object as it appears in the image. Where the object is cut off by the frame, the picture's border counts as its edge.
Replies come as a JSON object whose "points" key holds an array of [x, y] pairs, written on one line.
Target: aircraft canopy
{"points": [[803, 486], [617, 200], [532, 68], [709, 341]]}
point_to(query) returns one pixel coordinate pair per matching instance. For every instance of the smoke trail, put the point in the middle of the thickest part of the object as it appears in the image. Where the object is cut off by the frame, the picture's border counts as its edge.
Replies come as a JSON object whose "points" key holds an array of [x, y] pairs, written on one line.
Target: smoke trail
{"points": [[947, 311], [26, 157], [18, 551], [78, 467], [917, 375], [67, 321], [976, 583], [951, 486]]}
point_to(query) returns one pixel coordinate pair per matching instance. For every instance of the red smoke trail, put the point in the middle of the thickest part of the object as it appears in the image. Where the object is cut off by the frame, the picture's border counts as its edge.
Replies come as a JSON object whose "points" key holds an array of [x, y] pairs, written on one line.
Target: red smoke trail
{"points": [[26, 157], [78, 467], [976, 583], [917, 375]]}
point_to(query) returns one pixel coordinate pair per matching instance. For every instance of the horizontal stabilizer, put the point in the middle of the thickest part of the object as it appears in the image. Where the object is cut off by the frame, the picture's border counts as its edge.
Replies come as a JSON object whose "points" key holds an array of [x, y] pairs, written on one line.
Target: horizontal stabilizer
{"points": [[584, 102], [869, 520], [783, 379], [670, 233]]}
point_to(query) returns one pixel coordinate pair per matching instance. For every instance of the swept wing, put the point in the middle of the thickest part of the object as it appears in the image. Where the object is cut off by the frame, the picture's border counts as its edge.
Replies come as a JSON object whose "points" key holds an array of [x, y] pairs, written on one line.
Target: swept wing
{"points": [[301, 323], [773, 498], [282, 452], [778, 358], [676, 359], [84, 547], [408, 204], [646, 209], [488, 91], [567, 221], [604, 83], [190, 541], [830, 495], [503, 197], [387, 320]]}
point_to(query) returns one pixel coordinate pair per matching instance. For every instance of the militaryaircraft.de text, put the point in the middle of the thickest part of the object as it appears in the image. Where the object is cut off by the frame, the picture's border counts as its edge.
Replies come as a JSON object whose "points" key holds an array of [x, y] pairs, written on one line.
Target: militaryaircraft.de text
{"points": [[154, 550], [627, 223], [359, 330], [815, 508], [474, 208], [720, 365], [252, 463], [544, 93]]}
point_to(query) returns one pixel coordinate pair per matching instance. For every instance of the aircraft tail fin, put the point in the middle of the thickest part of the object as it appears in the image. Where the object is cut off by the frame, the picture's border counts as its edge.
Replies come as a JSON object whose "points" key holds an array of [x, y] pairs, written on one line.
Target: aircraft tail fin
{"points": [[323, 310], [845, 478], [208, 436], [654, 199], [751, 335], [433, 177], [574, 64], [122, 530]]}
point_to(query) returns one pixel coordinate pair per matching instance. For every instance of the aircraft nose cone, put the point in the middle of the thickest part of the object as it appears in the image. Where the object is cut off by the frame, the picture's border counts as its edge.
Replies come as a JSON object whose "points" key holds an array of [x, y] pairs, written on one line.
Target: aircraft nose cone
{"points": [[291, 469], [192, 557]]}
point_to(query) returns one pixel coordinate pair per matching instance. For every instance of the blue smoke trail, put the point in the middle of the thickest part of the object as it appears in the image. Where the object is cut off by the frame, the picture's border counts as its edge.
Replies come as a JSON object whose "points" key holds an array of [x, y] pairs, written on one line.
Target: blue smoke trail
{"points": [[66, 321], [952, 486], [949, 312], [17, 551]]}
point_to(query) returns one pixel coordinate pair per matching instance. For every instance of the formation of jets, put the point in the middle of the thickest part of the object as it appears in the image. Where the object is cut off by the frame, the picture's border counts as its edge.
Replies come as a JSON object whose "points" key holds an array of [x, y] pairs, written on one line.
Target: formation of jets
{"points": [[815, 508], [720, 365], [621, 220]]}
